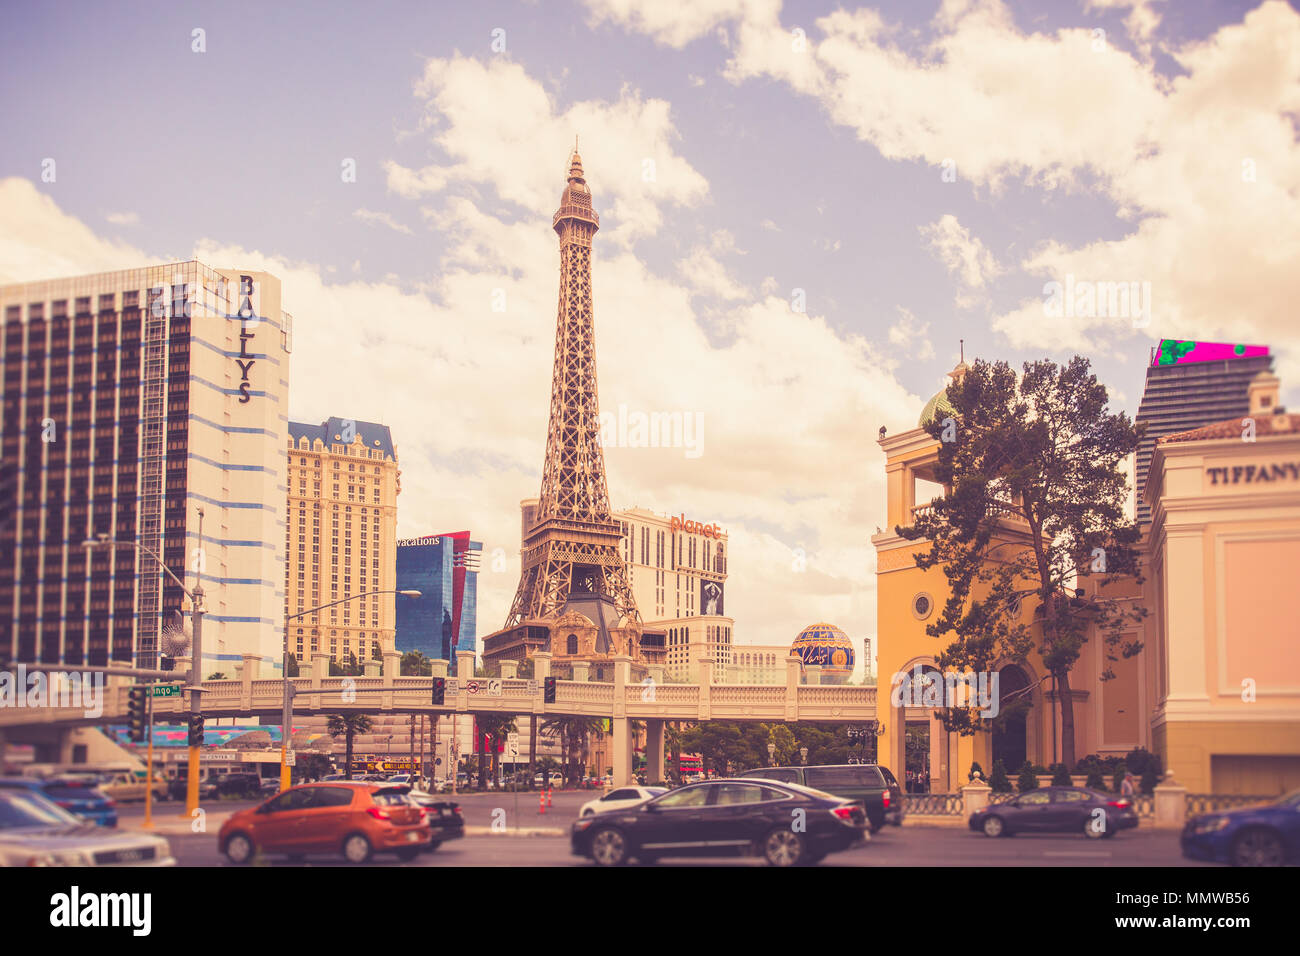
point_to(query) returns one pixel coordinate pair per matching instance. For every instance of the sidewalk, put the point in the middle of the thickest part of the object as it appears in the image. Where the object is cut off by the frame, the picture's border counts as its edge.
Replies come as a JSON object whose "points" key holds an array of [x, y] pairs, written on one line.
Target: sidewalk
{"points": [[174, 824]]}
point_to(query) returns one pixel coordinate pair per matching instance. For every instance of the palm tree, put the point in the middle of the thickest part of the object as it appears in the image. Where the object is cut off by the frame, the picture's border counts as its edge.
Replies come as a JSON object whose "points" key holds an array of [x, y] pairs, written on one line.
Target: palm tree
{"points": [[348, 726], [496, 726]]}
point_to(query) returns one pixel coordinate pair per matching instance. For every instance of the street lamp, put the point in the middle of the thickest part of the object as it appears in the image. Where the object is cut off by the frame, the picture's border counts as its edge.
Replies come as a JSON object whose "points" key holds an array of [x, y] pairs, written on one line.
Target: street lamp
{"points": [[196, 652], [771, 754], [803, 755], [286, 712]]}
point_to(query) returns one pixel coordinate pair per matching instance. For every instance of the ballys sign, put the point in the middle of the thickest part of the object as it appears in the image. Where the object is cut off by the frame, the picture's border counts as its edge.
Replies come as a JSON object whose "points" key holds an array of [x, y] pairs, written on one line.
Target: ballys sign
{"points": [[680, 523], [244, 359]]}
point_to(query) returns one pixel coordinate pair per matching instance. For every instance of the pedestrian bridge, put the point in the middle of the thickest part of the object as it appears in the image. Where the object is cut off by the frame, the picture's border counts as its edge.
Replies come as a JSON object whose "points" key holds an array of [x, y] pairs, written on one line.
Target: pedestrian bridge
{"points": [[651, 702]]}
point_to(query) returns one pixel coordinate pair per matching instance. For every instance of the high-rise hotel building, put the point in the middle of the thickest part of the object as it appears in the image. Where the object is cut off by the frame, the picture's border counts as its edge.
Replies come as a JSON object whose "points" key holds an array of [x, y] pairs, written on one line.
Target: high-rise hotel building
{"points": [[341, 538], [132, 400], [678, 570]]}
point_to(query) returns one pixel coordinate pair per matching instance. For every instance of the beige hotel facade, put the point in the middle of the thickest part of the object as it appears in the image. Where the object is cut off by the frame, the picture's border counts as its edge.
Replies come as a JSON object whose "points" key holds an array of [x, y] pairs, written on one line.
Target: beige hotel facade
{"points": [[133, 399], [341, 539]]}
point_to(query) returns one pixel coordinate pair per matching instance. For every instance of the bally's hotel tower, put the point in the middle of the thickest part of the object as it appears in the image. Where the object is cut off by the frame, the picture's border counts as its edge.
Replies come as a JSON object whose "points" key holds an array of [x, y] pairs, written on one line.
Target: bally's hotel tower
{"points": [[132, 400]]}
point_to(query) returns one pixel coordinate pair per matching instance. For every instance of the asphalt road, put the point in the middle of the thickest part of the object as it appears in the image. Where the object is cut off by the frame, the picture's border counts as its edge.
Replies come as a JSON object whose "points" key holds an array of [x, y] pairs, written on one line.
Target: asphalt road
{"points": [[892, 847]]}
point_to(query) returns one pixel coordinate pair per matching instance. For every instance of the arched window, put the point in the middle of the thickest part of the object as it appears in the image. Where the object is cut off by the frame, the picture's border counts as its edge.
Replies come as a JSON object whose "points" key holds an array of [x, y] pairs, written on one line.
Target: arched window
{"points": [[572, 644]]}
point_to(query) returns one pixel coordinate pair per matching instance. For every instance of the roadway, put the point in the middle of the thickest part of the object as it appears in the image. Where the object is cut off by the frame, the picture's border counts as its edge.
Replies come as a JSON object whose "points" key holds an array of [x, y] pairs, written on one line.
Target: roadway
{"points": [[910, 845]]}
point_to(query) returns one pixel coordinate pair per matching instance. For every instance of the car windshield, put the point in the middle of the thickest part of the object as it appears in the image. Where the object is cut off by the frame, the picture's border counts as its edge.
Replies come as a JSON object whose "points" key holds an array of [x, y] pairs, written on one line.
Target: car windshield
{"points": [[32, 810]]}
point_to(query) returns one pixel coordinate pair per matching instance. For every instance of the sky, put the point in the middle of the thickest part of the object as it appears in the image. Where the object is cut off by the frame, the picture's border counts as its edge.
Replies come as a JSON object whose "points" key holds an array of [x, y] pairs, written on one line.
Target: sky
{"points": [[804, 208]]}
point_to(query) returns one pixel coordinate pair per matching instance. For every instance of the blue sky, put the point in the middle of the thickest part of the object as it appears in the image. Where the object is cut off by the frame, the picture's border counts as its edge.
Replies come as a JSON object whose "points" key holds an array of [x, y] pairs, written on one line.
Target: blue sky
{"points": [[777, 169]]}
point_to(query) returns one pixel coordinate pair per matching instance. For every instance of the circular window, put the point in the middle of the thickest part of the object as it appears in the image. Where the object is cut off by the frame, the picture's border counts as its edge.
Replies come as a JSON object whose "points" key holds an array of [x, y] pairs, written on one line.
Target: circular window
{"points": [[922, 605]]}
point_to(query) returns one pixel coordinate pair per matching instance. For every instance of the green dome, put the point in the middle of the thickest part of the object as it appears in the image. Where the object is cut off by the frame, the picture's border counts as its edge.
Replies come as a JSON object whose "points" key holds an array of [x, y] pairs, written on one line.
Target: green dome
{"points": [[937, 407]]}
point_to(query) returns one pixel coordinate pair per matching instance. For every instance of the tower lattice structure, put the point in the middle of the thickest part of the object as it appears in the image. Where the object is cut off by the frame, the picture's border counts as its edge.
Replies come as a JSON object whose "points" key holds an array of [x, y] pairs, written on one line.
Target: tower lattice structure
{"points": [[574, 543]]}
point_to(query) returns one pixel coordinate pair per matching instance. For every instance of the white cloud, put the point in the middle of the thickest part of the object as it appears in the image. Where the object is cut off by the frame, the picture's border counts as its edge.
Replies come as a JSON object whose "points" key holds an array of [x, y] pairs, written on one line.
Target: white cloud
{"points": [[383, 219], [963, 255], [1174, 155], [912, 336], [38, 240], [123, 218], [500, 128]]}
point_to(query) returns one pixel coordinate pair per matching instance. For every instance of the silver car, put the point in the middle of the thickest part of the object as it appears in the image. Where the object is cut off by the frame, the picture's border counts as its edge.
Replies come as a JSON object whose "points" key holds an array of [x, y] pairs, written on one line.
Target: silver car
{"points": [[35, 831]]}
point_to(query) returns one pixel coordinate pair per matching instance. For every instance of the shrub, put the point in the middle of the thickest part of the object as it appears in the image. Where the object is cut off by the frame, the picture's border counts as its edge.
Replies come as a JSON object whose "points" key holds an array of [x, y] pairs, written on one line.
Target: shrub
{"points": [[974, 769], [1000, 782], [1028, 778], [1060, 775], [1137, 760], [1096, 779], [1151, 775]]}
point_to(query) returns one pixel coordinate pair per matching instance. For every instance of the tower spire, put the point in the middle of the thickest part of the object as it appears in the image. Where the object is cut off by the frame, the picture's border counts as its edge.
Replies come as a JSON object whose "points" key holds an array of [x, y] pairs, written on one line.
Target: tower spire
{"points": [[575, 543]]}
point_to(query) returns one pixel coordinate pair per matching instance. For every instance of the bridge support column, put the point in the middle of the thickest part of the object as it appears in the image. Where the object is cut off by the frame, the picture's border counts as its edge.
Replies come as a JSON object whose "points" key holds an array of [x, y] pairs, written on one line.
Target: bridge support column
{"points": [[320, 669], [440, 667], [392, 667], [509, 670], [814, 672], [582, 671], [793, 671], [621, 751], [542, 665], [654, 751], [465, 665]]}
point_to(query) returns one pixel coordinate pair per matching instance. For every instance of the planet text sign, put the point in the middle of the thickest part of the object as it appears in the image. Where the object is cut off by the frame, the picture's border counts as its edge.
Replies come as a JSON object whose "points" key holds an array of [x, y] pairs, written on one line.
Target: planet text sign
{"points": [[680, 523]]}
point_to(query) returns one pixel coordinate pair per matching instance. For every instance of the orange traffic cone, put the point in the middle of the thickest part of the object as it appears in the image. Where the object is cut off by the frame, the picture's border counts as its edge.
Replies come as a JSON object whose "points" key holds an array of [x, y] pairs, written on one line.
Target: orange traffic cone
{"points": [[549, 791], [541, 802]]}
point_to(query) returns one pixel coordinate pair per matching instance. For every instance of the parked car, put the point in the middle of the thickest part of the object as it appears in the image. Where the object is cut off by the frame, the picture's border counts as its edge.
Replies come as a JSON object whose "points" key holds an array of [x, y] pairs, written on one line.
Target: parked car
{"points": [[178, 788], [80, 796], [356, 819], [620, 798], [864, 783], [239, 784], [1266, 835], [270, 786], [35, 831], [723, 816], [445, 819], [130, 785], [1057, 810]]}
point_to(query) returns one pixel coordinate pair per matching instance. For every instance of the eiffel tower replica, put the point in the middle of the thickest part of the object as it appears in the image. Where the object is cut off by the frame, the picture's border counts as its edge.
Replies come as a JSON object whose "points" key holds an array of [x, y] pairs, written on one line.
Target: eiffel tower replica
{"points": [[572, 559]]}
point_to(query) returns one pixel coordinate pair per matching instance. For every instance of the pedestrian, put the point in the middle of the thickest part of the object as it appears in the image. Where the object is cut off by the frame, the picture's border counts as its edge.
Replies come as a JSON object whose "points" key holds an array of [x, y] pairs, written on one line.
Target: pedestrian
{"points": [[1126, 788]]}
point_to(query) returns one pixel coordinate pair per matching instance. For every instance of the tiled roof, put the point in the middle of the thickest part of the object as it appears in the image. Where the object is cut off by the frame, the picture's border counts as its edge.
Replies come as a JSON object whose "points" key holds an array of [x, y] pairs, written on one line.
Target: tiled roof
{"points": [[1232, 428], [375, 437]]}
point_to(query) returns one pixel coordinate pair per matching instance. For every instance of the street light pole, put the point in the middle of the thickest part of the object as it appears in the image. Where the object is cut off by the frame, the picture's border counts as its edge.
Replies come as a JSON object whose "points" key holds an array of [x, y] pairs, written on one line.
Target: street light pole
{"points": [[196, 683]]}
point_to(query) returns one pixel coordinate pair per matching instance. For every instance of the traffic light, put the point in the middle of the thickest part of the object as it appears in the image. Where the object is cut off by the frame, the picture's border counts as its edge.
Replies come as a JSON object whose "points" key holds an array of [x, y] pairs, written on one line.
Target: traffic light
{"points": [[439, 690], [166, 663], [136, 710], [550, 690], [196, 730]]}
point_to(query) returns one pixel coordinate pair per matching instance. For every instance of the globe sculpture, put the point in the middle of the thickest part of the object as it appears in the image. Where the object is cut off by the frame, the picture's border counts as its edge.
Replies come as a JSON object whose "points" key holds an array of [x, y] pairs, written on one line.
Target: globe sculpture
{"points": [[826, 646]]}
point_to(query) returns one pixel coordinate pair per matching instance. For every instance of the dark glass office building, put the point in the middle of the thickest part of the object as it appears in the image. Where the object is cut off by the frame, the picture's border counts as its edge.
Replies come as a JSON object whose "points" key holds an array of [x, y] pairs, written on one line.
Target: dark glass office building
{"points": [[1190, 384], [444, 568]]}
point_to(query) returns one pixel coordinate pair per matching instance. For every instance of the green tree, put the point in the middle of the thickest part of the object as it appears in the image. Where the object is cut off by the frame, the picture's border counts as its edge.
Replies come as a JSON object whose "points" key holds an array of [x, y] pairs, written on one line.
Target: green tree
{"points": [[291, 667], [1060, 775], [311, 767], [999, 780], [1045, 449], [348, 726], [216, 675], [1028, 779], [974, 769], [415, 664], [787, 748], [495, 727], [1096, 779]]}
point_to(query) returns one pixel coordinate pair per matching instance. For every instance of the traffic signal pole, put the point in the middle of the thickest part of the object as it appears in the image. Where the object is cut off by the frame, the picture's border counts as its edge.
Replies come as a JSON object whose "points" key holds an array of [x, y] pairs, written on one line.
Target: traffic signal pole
{"points": [[148, 772], [196, 693]]}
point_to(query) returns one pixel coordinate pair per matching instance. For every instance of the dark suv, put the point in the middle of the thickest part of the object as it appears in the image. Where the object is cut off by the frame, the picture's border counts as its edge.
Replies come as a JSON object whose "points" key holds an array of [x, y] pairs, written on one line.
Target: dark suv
{"points": [[240, 784], [871, 785]]}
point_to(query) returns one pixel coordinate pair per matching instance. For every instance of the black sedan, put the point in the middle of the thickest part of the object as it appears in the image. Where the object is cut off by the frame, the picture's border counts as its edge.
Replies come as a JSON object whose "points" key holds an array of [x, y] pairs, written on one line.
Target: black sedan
{"points": [[444, 818], [784, 823], [1057, 810]]}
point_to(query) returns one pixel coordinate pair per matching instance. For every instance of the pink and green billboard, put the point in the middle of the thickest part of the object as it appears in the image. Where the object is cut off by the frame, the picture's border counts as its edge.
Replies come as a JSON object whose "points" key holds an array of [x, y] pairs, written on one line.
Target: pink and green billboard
{"points": [[1185, 352]]}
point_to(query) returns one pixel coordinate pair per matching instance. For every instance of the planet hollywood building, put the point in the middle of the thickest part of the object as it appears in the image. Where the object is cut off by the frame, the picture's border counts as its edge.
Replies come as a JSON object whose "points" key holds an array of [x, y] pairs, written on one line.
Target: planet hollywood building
{"points": [[133, 399]]}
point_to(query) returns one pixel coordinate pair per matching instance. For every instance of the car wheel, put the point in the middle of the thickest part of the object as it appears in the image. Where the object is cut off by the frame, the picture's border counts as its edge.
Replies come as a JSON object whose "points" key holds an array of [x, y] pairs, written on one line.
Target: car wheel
{"points": [[356, 848], [1257, 848], [994, 827], [783, 847], [1091, 830], [239, 848], [588, 813], [406, 854], [609, 847]]}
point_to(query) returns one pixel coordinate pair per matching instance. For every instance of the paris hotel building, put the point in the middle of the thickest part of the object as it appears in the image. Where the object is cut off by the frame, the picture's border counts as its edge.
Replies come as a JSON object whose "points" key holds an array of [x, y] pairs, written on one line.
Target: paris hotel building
{"points": [[132, 400], [341, 539]]}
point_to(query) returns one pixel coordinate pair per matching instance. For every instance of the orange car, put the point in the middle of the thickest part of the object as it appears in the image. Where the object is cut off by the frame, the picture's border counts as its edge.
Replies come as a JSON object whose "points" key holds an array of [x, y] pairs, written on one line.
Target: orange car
{"points": [[352, 818]]}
